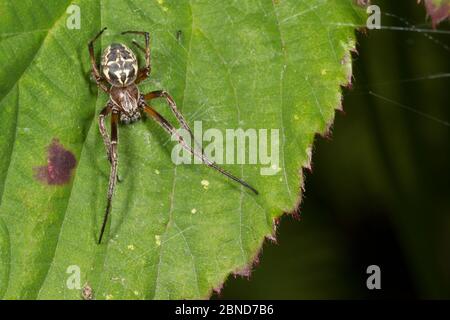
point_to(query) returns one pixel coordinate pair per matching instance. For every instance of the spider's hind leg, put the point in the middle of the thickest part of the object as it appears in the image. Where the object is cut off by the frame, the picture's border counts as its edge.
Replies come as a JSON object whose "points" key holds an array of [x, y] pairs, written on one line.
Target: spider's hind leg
{"points": [[101, 82]]}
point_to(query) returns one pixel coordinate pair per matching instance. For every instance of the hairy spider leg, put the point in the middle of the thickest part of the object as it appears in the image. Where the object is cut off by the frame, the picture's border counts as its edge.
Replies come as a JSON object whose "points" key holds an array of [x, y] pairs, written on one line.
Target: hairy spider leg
{"points": [[171, 102], [101, 125], [173, 132], [113, 173], [101, 82]]}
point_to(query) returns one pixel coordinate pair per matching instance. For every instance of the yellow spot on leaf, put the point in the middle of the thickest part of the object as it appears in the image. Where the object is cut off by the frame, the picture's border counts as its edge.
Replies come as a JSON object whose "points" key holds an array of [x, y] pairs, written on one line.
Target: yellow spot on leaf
{"points": [[130, 247], [193, 210], [109, 297], [161, 3], [205, 184], [158, 240], [157, 171]]}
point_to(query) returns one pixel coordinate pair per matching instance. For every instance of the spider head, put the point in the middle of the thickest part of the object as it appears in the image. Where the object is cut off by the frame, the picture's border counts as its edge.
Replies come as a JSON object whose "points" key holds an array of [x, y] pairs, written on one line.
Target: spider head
{"points": [[119, 65]]}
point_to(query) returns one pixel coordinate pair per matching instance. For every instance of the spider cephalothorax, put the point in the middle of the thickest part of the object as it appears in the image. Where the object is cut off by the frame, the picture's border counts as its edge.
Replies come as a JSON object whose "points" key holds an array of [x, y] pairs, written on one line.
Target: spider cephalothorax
{"points": [[120, 77], [127, 101]]}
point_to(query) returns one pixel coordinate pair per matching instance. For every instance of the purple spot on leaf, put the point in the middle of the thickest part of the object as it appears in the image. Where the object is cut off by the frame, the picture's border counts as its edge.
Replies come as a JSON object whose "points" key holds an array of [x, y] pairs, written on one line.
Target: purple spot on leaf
{"points": [[60, 163]]}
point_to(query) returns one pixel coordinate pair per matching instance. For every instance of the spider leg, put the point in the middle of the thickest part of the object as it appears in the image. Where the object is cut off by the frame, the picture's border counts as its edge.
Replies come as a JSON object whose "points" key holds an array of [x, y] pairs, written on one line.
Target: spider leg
{"points": [[95, 72], [101, 125], [144, 72], [138, 45], [171, 102], [173, 132], [113, 173]]}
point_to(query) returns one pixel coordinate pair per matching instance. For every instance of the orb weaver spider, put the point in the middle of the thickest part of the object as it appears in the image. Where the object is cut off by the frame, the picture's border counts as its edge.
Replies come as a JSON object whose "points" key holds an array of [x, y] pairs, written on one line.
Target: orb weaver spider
{"points": [[119, 78]]}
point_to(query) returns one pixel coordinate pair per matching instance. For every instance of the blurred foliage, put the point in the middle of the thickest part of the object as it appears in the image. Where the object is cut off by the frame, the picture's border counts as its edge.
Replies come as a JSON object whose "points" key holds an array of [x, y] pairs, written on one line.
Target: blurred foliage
{"points": [[379, 190]]}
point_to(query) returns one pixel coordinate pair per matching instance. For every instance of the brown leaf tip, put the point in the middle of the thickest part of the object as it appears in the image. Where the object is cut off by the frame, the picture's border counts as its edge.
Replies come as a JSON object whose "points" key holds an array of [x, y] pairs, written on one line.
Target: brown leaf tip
{"points": [[438, 13], [363, 3], [60, 163]]}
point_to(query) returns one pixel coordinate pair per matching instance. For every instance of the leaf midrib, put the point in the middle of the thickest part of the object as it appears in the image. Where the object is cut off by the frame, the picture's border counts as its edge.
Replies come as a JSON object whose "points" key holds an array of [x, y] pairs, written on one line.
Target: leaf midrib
{"points": [[188, 53]]}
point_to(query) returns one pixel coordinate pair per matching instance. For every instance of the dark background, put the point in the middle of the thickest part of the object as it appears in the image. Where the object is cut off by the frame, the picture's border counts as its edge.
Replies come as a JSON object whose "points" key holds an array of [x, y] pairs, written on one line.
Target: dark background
{"points": [[379, 190]]}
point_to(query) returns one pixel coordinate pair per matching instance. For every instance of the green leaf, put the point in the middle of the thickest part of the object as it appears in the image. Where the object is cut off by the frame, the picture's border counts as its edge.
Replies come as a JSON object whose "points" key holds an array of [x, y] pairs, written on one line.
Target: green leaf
{"points": [[254, 64]]}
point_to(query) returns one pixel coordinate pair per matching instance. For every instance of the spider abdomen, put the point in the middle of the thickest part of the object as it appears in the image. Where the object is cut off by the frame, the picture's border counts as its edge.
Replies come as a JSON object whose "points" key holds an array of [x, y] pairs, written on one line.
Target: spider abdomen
{"points": [[119, 65]]}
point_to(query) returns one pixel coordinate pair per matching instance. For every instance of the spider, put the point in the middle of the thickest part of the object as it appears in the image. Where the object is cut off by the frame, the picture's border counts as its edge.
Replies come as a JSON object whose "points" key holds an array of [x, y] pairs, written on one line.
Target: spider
{"points": [[119, 78]]}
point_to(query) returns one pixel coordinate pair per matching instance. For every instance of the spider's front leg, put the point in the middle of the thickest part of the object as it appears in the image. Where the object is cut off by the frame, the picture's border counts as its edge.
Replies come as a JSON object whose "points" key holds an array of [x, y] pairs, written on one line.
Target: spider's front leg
{"points": [[113, 173], [171, 102], [101, 82], [101, 125], [145, 71], [173, 132]]}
